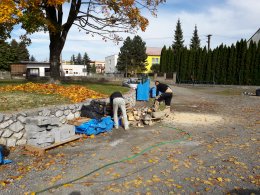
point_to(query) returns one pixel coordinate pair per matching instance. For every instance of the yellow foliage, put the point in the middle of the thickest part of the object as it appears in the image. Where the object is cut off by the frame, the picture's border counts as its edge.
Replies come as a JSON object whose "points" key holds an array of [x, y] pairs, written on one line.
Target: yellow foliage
{"points": [[10, 11], [74, 93]]}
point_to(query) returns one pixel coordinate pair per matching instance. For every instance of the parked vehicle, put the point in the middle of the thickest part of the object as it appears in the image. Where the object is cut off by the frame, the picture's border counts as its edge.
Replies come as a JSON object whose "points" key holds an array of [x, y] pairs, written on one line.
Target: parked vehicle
{"points": [[131, 82]]}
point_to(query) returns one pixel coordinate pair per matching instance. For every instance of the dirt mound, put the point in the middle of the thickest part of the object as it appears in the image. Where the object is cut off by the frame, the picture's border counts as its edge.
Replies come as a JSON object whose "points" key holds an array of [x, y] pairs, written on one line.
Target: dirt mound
{"points": [[187, 118]]}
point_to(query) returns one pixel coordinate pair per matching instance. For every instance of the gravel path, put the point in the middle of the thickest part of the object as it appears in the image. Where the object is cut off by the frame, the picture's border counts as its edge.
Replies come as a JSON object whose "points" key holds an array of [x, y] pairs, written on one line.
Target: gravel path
{"points": [[220, 157]]}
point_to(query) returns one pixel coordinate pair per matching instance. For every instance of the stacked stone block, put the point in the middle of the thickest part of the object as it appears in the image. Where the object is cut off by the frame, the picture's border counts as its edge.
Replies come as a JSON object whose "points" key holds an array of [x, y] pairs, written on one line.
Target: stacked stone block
{"points": [[44, 131]]}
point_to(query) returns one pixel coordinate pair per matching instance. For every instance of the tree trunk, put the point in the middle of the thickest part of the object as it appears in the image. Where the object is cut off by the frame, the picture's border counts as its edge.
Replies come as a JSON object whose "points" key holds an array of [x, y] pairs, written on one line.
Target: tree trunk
{"points": [[56, 46]]}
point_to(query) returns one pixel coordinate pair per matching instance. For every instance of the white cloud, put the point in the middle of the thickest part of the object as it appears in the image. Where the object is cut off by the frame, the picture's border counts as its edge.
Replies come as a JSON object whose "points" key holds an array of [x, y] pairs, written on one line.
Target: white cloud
{"points": [[227, 21]]}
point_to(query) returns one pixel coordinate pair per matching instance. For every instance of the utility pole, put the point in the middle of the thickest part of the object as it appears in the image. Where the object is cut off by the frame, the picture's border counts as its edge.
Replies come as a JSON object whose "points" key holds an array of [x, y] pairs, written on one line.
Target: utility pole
{"points": [[208, 41]]}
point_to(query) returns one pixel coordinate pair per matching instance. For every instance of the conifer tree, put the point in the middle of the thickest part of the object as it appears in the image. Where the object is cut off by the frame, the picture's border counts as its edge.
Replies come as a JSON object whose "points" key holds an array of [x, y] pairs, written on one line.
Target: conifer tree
{"points": [[195, 40], [178, 37], [132, 55], [208, 75], [163, 59], [170, 60], [139, 54], [79, 59], [73, 59], [231, 66], [5, 55], [125, 55], [86, 61], [247, 66]]}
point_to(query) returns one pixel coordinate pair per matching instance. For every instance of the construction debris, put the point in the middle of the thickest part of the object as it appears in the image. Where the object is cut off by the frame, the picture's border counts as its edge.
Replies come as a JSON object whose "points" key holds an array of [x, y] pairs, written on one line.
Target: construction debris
{"points": [[138, 117]]}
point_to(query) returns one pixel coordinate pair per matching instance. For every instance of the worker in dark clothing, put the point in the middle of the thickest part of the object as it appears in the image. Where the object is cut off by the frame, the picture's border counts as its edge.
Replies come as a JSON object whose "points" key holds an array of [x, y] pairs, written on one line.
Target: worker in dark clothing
{"points": [[166, 95], [117, 100]]}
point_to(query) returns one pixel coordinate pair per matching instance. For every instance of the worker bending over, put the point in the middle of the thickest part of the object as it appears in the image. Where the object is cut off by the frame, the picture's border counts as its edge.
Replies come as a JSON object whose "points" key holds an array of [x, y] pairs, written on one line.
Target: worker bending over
{"points": [[166, 95], [117, 100]]}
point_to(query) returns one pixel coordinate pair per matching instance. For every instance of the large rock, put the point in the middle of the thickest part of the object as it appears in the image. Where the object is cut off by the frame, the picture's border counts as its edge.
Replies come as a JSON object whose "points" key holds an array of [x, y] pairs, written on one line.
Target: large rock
{"points": [[59, 113], [42, 121], [5, 124], [1, 132], [11, 142], [2, 141], [33, 130], [7, 133], [8, 116], [21, 118], [18, 135], [16, 127], [66, 112], [21, 142], [70, 116], [46, 112]]}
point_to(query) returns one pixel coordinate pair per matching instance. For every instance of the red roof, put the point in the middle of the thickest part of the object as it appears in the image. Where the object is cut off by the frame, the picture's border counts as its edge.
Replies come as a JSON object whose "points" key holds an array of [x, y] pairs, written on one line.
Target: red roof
{"points": [[153, 51]]}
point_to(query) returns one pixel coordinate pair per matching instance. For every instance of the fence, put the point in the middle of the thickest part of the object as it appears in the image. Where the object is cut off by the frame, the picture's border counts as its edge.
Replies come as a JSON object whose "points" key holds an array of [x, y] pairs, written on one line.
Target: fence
{"points": [[5, 75]]}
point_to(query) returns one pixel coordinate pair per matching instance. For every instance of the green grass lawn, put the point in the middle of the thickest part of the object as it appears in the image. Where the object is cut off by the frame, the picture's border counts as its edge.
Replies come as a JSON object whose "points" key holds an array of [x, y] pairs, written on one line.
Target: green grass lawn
{"points": [[12, 82], [14, 101]]}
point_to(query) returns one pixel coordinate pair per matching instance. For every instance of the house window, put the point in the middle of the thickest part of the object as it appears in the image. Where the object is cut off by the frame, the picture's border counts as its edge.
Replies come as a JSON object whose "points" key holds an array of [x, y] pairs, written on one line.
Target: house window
{"points": [[155, 60], [47, 71], [34, 71]]}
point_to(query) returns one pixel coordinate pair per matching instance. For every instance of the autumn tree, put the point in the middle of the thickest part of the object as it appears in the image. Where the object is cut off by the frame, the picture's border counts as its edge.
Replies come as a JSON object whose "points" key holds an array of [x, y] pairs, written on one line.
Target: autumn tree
{"points": [[95, 17]]}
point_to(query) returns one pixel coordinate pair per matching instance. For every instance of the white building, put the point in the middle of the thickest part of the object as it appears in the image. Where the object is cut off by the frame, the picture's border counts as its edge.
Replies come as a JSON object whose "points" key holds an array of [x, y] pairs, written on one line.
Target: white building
{"points": [[42, 69], [74, 70], [100, 66], [37, 69], [110, 64]]}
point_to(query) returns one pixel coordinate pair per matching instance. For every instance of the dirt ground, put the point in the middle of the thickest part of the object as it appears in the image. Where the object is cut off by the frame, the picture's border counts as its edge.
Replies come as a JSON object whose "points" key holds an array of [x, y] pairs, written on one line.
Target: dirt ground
{"points": [[208, 145]]}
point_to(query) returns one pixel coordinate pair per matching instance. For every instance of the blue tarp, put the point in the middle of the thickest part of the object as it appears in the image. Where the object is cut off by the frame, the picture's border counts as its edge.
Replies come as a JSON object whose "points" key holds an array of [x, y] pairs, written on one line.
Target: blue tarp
{"points": [[2, 160], [142, 91], [96, 126]]}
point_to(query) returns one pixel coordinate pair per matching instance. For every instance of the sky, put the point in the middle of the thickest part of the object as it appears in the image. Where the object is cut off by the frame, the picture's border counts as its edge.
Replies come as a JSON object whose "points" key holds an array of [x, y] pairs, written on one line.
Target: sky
{"points": [[226, 20]]}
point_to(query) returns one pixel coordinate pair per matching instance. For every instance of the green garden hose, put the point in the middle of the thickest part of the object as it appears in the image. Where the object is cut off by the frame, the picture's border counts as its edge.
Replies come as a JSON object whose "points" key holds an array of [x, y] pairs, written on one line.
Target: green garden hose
{"points": [[185, 137]]}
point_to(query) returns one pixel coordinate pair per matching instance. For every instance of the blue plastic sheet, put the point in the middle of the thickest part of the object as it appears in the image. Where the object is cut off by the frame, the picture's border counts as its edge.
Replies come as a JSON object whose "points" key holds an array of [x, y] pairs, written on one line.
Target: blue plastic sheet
{"points": [[142, 91], [2, 160], [96, 126]]}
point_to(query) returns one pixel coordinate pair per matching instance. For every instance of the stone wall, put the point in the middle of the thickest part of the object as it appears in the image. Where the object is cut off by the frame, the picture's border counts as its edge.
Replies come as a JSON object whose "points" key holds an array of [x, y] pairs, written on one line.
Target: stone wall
{"points": [[12, 125]]}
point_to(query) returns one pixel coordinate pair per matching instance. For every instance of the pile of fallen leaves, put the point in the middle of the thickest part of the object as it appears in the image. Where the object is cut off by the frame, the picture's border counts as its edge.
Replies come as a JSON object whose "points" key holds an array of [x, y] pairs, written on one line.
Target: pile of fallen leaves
{"points": [[75, 93]]}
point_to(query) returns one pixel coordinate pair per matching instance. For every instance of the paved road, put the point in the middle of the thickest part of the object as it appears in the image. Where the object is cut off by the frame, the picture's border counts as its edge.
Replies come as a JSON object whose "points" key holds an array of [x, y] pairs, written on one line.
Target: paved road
{"points": [[220, 157]]}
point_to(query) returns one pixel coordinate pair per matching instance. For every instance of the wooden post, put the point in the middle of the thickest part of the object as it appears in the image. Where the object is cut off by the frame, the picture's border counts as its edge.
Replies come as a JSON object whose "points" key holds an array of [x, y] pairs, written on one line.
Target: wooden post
{"points": [[164, 75], [155, 76]]}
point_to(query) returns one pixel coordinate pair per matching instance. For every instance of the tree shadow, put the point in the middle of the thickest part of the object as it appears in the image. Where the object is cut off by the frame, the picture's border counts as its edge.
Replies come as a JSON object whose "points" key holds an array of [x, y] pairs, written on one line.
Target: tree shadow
{"points": [[244, 191], [75, 193]]}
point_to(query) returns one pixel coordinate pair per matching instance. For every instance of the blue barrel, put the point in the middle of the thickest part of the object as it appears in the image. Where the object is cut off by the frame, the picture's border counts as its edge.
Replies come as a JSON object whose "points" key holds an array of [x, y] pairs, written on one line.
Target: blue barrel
{"points": [[153, 92]]}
